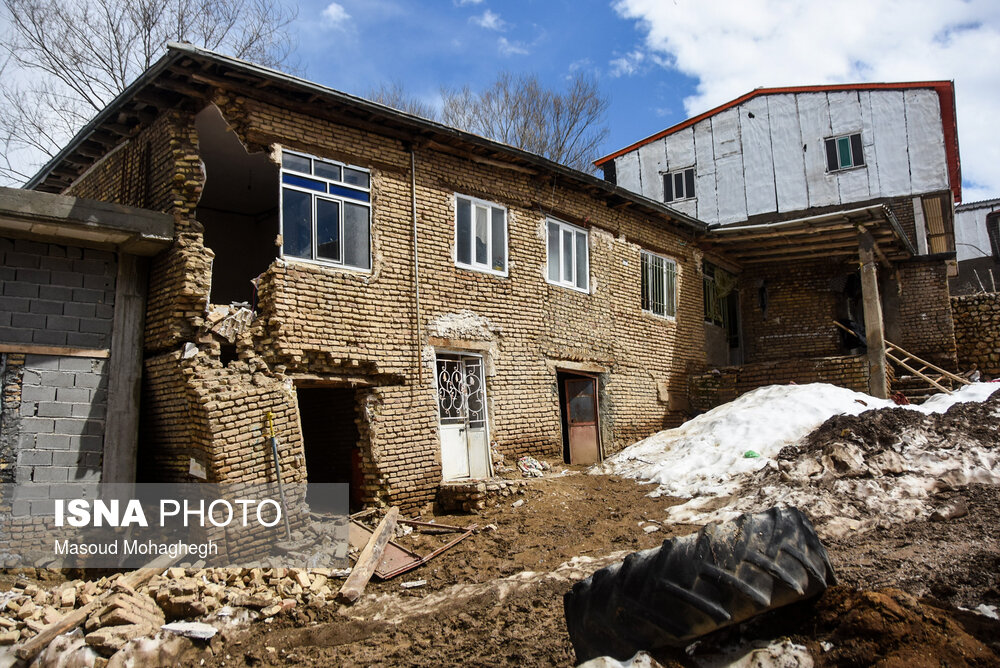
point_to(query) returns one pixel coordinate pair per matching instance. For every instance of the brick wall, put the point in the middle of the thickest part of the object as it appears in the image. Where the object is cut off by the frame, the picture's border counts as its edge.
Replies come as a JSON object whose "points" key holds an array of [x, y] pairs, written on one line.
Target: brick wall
{"points": [[722, 385], [925, 319], [345, 325], [977, 332], [802, 300], [56, 295]]}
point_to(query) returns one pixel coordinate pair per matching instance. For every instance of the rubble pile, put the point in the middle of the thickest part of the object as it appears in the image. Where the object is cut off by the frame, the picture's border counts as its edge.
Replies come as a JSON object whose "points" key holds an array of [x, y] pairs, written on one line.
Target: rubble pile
{"points": [[122, 613]]}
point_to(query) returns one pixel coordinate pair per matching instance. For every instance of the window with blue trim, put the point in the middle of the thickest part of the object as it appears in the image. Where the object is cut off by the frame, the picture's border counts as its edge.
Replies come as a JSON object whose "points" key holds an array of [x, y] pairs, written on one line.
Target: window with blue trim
{"points": [[325, 211]]}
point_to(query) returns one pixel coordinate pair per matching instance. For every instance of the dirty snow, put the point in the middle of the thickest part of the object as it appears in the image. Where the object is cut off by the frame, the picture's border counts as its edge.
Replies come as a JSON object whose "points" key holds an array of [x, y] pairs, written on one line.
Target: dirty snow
{"points": [[845, 489]]}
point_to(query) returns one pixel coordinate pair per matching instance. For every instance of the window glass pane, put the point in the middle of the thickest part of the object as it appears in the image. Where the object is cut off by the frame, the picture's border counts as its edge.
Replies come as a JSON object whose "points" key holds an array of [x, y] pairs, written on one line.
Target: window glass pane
{"points": [[679, 186], [482, 234], [581, 259], [671, 289], [463, 232], [356, 177], [359, 195], [357, 246], [857, 152], [689, 183], [303, 182], [553, 252], [644, 278], [668, 188], [295, 162], [844, 150], [327, 230], [499, 259], [580, 396], [296, 223], [567, 255], [326, 170], [831, 155]]}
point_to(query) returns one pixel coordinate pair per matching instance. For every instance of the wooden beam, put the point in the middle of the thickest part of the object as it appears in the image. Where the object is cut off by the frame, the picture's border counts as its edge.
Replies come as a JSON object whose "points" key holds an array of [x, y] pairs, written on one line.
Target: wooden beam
{"points": [[369, 559], [878, 384], [99, 353], [121, 432]]}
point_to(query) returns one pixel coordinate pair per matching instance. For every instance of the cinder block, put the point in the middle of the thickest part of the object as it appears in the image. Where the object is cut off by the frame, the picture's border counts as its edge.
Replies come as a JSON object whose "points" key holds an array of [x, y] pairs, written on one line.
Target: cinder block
{"points": [[84, 364], [85, 340], [34, 458], [92, 411], [50, 441], [67, 458], [38, 276], [91, 444], [73, 394], [95, 326], [28, 320], [35, 425], [69, 426], [99, 255], [43, 362], [98, 282], [54, 409], [49, 337], [68, 279], [37, 393], [90, 381], [19, 260], [15, 304], [50, 474], [87, 296], [46, 307], [58, 379], [62, 322], [55, 293], [56, 263], [15, 335], [79, 310], [32, 247]]}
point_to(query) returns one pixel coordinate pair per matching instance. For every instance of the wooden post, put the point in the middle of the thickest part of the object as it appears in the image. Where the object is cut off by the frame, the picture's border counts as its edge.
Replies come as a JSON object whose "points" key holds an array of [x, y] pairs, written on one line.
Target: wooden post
{"points": [[878, 385], [369, 559], [121, 432]]}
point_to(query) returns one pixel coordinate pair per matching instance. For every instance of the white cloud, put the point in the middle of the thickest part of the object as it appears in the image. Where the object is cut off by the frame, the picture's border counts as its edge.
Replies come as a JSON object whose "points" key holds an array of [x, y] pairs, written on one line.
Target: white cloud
{"points": [[490, 21], [335, 16], [463, 3], [628, 64], [734, 46], [508, 48]]}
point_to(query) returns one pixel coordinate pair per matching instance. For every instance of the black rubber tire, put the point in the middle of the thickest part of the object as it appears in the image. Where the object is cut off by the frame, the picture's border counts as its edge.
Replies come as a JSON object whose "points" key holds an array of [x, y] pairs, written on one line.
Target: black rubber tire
{"points": [[671, 595]]}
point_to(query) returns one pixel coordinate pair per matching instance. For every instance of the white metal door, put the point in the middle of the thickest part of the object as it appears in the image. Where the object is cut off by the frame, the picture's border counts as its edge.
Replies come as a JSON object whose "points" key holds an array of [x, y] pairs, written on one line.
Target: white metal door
{"points": [[462, 410]]}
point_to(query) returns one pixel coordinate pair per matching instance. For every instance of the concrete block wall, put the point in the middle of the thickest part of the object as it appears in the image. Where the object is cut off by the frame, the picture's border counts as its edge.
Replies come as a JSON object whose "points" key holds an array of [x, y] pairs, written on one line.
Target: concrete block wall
{"points": [[927, 327], [56, 295], [54, 414]]}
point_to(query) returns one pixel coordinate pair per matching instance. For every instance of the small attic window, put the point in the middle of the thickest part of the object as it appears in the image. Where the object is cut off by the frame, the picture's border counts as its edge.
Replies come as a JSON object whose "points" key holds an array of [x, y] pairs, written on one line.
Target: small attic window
{"points": [[678, 185], [844, 152]]}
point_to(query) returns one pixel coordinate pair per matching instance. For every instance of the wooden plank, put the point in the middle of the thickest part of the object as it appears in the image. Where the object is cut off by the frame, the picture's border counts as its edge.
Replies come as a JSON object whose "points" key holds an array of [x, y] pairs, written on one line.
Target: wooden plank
{"points": [[121, 433], [928, 365], [100, 353], [136, 578], [369, 559]]}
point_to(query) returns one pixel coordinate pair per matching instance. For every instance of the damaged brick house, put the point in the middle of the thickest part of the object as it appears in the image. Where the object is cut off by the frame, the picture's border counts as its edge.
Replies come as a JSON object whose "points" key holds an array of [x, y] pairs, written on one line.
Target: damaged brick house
{"points": [[413, 293], [832, 203]]}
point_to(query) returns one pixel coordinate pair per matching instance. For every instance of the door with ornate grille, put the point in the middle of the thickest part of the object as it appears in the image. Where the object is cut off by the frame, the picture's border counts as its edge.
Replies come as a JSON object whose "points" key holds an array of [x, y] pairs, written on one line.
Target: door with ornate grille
{"points": [[462, 412]]}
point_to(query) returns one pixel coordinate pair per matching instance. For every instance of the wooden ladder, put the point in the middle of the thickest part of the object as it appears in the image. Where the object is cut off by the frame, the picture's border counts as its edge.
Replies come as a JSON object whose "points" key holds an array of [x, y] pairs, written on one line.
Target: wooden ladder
{"points": [[901, 358]]}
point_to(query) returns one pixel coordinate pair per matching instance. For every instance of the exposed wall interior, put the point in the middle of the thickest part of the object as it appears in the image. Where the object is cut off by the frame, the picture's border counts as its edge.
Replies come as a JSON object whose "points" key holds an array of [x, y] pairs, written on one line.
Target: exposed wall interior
{"points": [[330, 435]]}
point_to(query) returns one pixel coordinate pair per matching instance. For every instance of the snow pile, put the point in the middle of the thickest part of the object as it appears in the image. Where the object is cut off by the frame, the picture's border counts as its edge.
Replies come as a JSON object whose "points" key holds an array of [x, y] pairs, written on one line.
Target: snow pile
{"points": [[854, 474], [702, 456]]}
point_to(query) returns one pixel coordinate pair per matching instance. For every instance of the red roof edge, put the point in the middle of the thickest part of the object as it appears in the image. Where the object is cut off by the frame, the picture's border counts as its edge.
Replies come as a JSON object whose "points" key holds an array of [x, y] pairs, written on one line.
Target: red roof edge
{"points": [[944, 89]]}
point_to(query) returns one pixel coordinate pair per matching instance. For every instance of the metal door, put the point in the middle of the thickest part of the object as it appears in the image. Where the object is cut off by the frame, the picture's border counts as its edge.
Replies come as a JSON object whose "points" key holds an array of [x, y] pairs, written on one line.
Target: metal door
{"points": [[581, 420], [462, 411]]}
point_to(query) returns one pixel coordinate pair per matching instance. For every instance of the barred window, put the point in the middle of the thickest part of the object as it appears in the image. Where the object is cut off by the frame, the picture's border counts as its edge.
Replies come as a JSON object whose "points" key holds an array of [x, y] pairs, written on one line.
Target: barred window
{"points": [[659, 285]]}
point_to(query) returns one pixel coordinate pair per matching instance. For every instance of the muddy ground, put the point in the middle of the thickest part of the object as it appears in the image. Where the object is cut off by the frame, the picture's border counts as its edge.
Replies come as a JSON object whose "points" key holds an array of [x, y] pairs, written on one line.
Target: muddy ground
{"points": [[897, 602]]}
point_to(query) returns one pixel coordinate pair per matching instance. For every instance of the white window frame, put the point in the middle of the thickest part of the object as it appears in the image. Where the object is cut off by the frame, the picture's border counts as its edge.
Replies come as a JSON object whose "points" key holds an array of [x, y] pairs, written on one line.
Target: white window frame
{"points": [[574, 230], [317, 195], [849, 136], [683, 172], [670, 299], [473, 265]]}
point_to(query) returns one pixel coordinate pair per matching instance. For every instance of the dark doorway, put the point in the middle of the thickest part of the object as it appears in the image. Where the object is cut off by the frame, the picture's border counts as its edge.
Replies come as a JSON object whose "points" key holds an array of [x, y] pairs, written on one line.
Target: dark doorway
{"points": [[579, 412], [330, 438]]}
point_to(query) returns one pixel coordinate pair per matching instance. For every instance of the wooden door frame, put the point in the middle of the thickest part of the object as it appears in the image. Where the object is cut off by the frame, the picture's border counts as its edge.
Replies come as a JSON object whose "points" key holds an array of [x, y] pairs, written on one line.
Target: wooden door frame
{"points": [[563, 402]]}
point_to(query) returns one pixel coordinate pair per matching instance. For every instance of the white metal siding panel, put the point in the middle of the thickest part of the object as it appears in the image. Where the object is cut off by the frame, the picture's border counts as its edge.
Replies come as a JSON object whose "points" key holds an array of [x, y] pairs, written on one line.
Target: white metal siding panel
{"points": [[758, 161], [971, 236], [732, 200], [705, 185], [845, 112], [789, 161], [627, 171], [652, 161], [925, 136], [889, 130], [868, 142], [687, 206], [726, 133], [680, 149], [814, 122]]}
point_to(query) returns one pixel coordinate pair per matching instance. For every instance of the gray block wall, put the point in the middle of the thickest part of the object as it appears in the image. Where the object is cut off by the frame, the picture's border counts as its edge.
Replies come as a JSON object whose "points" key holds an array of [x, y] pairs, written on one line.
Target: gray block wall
{"points": [[62, 416], [56, 295]]}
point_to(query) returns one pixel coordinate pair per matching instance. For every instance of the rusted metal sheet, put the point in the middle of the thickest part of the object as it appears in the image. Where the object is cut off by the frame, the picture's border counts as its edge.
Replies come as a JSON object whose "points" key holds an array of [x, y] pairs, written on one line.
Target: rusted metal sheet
{"points": [[396, 559]]}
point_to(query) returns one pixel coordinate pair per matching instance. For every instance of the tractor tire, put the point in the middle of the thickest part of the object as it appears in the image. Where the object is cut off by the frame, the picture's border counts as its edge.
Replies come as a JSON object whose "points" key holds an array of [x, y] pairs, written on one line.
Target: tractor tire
{"points": [[690, 586]]}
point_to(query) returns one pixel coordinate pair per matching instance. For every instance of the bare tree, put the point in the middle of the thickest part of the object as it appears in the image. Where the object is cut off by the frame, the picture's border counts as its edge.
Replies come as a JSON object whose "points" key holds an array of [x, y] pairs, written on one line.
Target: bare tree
{"points": [[62, 61], [518, 110], [394, 95]]}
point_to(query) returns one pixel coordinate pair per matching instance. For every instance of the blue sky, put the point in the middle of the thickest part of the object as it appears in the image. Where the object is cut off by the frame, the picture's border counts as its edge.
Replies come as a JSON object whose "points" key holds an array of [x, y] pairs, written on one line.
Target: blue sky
{"points": [[661, 61]]}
